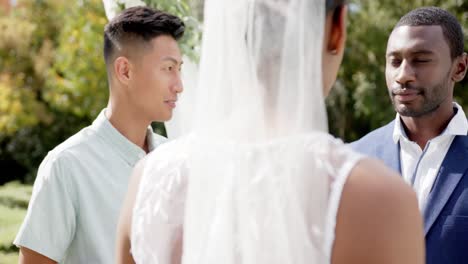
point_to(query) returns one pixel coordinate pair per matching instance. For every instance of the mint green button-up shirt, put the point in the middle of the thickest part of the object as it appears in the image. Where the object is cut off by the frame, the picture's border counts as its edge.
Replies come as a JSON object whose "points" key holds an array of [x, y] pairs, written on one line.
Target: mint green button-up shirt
{"points": [[73, 212]]}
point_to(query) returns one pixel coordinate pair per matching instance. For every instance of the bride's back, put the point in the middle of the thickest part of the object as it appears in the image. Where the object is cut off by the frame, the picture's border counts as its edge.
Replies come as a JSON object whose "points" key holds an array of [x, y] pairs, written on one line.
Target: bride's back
{"points": [[263, 206]]}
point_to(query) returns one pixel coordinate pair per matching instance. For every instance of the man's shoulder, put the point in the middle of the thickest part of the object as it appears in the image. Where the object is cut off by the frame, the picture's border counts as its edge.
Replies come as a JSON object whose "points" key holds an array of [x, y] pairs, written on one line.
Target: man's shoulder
{"points": [[378, 136], [79, 143]]}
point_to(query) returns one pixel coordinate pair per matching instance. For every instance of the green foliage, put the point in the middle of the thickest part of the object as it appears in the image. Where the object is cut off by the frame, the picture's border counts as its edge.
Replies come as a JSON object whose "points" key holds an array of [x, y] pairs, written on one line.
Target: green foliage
{"points": [[77, 82], [25, 48], [360, 101], [16, 105], [52, 78]]}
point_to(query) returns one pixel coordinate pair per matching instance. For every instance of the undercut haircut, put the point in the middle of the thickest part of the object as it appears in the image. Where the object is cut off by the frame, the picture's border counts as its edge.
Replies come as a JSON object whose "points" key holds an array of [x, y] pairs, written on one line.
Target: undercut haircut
{"points": [[138, 26]]}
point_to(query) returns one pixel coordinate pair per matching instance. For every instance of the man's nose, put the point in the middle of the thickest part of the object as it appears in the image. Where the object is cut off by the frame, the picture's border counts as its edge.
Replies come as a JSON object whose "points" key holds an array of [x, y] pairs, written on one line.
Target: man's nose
{"points": [[405, 73]]}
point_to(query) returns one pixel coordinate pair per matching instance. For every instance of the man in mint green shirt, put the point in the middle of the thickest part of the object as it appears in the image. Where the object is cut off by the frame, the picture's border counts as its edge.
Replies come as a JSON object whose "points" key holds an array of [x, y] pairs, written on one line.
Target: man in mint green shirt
{"points": [[73, 213]]}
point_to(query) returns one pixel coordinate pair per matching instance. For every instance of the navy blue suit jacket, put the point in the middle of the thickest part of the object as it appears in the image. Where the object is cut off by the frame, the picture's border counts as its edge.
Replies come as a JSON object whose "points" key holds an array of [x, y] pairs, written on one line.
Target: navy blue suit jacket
{"points": [[446, 212]]}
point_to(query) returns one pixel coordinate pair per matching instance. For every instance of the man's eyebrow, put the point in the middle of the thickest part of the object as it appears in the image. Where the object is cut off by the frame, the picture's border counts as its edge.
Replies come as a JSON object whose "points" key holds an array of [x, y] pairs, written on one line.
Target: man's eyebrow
{"points": [[417, 52], [423, 52], [172, 59]]}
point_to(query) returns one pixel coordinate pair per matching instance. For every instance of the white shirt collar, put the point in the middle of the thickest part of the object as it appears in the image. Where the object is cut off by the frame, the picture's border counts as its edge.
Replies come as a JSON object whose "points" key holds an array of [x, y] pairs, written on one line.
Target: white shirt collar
{"points": [[129, 151], [457, 126]]}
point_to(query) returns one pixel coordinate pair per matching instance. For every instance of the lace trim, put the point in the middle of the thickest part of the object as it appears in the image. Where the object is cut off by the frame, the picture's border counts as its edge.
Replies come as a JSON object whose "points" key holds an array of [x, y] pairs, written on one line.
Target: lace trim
{"points": [[334, 201]]}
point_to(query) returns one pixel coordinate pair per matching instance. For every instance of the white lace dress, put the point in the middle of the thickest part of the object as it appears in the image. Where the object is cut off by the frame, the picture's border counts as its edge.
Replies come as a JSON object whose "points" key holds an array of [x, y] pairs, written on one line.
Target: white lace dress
{"points": [[271, 202]]}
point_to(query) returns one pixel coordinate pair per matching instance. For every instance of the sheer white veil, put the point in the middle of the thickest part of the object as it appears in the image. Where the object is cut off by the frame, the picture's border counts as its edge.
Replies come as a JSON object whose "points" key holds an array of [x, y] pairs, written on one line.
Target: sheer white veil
{"points": [[257, 193], [260, 70]]}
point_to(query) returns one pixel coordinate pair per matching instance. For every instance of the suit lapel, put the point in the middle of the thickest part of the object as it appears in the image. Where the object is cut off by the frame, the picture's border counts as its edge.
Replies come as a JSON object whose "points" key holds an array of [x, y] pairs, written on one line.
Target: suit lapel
{"points": [[391, 151], [450, 173]]}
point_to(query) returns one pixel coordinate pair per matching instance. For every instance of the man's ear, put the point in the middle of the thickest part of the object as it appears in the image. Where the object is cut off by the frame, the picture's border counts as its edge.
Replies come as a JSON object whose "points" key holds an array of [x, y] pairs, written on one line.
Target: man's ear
{"points": [[460, 67], [337, 39], [122, 69]]}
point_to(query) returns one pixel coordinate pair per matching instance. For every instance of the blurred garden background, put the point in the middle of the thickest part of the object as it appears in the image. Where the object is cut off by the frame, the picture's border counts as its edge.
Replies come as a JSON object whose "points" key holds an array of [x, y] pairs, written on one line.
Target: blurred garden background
{"points": [[53, 81]]}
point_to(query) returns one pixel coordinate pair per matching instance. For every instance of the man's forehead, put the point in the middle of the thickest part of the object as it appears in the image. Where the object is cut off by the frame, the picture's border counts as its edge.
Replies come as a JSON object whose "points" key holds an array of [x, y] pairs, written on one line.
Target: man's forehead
{"points": [[165, 46], [415, 38]]}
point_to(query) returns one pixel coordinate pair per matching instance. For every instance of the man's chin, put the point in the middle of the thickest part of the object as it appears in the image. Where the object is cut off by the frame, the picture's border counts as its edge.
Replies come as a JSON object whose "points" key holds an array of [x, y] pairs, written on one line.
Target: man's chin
{"points": [[408, 112], [166, 118], [162, 119]]}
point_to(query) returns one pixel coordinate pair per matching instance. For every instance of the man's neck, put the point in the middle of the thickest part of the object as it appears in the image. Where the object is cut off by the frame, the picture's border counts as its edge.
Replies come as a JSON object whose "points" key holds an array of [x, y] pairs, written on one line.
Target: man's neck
{"points": [[424, 128], [129, 124]]}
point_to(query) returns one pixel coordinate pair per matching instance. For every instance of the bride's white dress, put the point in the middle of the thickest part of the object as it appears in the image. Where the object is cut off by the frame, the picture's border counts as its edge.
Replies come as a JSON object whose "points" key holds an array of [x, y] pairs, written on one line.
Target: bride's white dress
{"points": [[265, 205], [260, 182]]}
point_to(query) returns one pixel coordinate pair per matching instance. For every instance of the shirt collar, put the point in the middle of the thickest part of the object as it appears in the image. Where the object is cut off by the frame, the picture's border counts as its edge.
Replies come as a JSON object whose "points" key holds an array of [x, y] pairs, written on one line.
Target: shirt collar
{"points": [[458, 125], [398, 131], [129, 151]]}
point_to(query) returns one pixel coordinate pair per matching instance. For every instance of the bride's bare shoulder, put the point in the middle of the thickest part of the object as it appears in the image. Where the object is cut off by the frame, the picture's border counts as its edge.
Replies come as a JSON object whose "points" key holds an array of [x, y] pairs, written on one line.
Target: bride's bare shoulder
{"points": [[378, 219], [155, 167]]}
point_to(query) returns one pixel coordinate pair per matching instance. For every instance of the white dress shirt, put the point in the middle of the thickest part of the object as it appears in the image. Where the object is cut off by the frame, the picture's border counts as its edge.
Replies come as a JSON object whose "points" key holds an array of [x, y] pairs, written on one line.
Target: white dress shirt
{"points": [[420, 167]]}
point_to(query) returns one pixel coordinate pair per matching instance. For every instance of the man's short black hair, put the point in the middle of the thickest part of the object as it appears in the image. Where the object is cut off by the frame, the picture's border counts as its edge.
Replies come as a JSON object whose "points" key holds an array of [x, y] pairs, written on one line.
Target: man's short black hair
{"points": [[139, 25], [434, 16], [333, 4]]}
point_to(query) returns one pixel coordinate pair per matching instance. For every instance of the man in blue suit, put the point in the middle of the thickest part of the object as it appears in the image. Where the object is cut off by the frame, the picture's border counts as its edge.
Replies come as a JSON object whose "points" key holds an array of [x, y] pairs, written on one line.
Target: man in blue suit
{"points": [[427, 142]]}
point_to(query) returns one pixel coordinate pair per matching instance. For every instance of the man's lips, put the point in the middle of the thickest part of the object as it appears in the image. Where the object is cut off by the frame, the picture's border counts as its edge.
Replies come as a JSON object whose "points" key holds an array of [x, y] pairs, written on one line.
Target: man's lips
{"points": [[171, 103], [405, 95]]}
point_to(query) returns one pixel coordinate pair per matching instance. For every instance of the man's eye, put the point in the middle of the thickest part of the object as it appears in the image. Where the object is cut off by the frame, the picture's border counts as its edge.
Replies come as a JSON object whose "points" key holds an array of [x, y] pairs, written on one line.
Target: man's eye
{"points": [[395, 62], [421, 60]]}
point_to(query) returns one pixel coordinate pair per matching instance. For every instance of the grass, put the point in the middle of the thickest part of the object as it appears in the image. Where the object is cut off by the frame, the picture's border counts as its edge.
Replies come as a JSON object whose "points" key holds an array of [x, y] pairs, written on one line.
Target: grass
{"points": [[14, 199], [8, 258], [10, 221], [15, 194]]}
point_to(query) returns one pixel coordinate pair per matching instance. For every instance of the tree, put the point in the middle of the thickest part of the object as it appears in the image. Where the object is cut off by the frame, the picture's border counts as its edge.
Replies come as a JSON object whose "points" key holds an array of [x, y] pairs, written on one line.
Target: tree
{"points": [[77, 80], [40, 68], [25, 51]]}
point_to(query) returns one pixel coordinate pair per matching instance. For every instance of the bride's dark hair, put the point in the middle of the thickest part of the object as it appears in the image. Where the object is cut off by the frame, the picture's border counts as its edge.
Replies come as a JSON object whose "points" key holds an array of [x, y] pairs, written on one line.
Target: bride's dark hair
{"points": [[268, 54], [333, 4]]}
